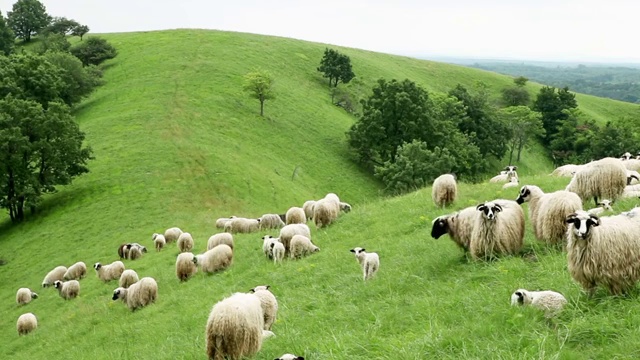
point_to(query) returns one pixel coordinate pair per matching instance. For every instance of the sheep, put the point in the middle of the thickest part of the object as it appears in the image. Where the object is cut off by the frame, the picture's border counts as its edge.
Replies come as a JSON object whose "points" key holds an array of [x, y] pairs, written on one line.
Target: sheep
{"points": [[221, 222], [185, 266], [550, 302], [135, 251], [68, 290], [568, 170], [172, 234], [76, 271], [603, 206], [269, 304], [458, 225], [506, 177], [109, 272], [631, 191], [632, 164], [631, 175], [235, 327], [603, 251], [626, 156], [290, 357], [216, 259], [370, 262], [512, 183], [301, 246], [221, 238], [267, 241], [444, 190], [547, 212], [295, 215], [277, 251], [308, 208], [140, 294], [185, 242], [346, 207], [242, 225], [123, 251], [325, 212], [26, 323], [270, 221], [25, 295], [604, 178], [287, 233], [498, 229], [56, 274], [128, 278], [158, 241]]}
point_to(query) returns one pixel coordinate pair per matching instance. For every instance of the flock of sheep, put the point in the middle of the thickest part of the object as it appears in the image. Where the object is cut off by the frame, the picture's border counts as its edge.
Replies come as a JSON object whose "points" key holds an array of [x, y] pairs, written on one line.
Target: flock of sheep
{"points": [[601, 250]]}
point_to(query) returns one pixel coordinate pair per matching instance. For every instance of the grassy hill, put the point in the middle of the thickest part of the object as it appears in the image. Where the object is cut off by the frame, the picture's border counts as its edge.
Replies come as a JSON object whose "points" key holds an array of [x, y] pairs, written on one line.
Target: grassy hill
{"points": [[178, 144]]}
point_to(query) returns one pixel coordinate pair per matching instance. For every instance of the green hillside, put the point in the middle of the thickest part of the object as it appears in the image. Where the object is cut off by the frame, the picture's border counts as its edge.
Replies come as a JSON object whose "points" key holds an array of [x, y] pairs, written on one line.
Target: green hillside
{"points": [[177, 143]]}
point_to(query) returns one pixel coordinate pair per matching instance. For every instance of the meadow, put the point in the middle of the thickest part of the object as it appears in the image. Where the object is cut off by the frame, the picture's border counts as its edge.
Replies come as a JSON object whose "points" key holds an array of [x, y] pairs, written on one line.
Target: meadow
{"points": [[177, 143]]}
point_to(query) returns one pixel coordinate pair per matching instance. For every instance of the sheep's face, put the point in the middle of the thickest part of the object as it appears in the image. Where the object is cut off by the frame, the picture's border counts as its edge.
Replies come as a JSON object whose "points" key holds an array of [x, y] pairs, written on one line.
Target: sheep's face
{"points": [[582, 223], [290, 357], [97, 266], [195, 260], [316, 249], [524, 196], [57, 284], [357, 250], [520, 297], [34, 295], [489, 210], [118, 293], [258, 288], [345, 207], [267, 237], [440, 227], [606, 204], [153, 237], [626, 156]]}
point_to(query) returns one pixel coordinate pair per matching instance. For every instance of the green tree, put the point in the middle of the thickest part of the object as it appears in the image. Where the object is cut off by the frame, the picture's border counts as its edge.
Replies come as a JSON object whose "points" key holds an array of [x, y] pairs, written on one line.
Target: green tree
{"points": [[259, 85], [30, 77], [336, 67], [552, 106], [572, 142], [28, 18], [61, 26], [7, 37], [612, 140], [53, 42], [520, 81], [77, 81], [516, 95], [80, 30], [94, 51], [524, 125]]}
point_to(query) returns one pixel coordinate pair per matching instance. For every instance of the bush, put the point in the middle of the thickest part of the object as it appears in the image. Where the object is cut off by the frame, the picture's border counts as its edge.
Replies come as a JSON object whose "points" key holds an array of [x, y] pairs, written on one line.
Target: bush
{"points": [[94, 51]]}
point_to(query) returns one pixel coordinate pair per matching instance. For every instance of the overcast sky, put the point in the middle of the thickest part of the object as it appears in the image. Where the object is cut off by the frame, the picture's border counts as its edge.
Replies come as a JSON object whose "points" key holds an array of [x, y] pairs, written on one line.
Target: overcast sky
{"points": [[572, 30]]}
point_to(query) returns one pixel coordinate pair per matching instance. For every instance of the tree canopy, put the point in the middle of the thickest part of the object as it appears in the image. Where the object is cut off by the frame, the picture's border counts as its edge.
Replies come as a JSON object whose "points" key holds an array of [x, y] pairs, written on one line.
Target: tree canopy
{"points": [[28, 17], [7, 37], [259, 85], [552, 106], [94, 51], [524, 125], [336, 67]]}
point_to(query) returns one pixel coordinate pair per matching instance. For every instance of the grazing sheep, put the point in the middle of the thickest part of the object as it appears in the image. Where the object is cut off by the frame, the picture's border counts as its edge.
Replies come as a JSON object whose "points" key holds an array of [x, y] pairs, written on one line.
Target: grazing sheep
{"points": [[135, 251], [603, 206], [604, 178], [269, 304], [235, 327], [370, 262], [325, 212], [458, 225], [270, 221], [277, 251], [512, 183], [308, 208], [109, 272], [267, 241], [123, 251], [25, 295], [290, 357], [185, 242], [26, 323], [444, 190], [68, 290], [498, 229], [242, 225], [603, 251], [301, 246], [185, 266], [159, 241], [221, 238], [56, 274], [216, 259], [550, 302], [287, 233], [128, 278], [295, 215], [142, 293], [547, 212], [76, 271], [568, 170], [172, 234], [346, 207], [221, 222]]}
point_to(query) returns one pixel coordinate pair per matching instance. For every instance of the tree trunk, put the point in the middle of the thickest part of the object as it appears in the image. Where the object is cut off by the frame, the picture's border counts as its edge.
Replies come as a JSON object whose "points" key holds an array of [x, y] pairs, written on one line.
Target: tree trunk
{"points": [[262, 107], [20, 209], [520, 146], [511, 154]]}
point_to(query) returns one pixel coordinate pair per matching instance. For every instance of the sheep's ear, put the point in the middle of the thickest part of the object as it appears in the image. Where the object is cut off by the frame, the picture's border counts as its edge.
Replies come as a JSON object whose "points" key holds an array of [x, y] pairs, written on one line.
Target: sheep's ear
{"points": [[498, 208], [363, 249], [299, 358], [353, 250], [252, 291], [480, 207], [571, 218], [594, 220], [267, 286], [272, 245]]}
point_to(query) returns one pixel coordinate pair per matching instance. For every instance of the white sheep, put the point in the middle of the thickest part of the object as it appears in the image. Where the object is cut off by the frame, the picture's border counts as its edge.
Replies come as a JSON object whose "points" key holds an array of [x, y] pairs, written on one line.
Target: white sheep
{"points": [[158, 241], [242, 225], [128, 278], [109, 272], [626, 156], [68, 289], [550, 302], [295, 215], [142, 293], [221, 238], [185, 266], [25, 295], [221, 222], [512, 183], [267, 240], [56, 274], [235, 327], [458, 225], [498, 229], [308, 208], [604, 205], [185, 242], [123, 251], [444, 190], [604, 178], [135, 251], [301, 246], [269, 304], [76, 271], [172, 234], [506, 177], [290, 357], [26, 323], [325, 212], [277, 251], [632, 164], [287, 233], [216, 259], [370, 262], [568, 170], [270, 221]]}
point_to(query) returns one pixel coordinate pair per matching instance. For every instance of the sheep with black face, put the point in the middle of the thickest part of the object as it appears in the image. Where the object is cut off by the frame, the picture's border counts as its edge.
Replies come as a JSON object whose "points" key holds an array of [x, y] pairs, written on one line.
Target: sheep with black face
{"points": [[550, 302], [458, 225]]}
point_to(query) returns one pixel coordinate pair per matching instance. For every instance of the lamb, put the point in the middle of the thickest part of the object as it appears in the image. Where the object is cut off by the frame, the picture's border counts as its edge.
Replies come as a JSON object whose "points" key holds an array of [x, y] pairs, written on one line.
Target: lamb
{"points": [[548, 211], [140, 294], [128, 278], [242, 225], [444, 190], [269, 304], [109, 272], [68, 290], [346, 207], [512, 183], [290, 357], [605, 178], [308, 208], [185, 242], [270, 221], [216, 259], [221, 238], [26, 323], [295, 215], [185, 266], [25, 295], [301, 246], [498, 229], [277, 251], [603, 251], [56, 274], [159, 241], [235, 327], [221, 222], [267, 242], [506, 177], [603, 206], [287, 233], [550, 302], [568, 170], [76, 271], [370, 262], [172, 234], [458, 225]]}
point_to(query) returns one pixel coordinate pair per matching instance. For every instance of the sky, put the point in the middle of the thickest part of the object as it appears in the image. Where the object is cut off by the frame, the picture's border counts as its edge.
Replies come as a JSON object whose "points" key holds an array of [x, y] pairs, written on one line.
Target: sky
{"points": [[560, 30]]}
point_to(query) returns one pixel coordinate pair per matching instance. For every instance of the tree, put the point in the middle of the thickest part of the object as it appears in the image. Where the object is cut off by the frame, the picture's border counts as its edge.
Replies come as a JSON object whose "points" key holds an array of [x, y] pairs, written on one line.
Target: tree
{"points": [[572, 141], [30, 77], [28, 18], [53, 42], [516, 95], [77, 81], [520, 81], [94, 51], [612, 140], [61, 26], [80, 30], [7, 37], [336, 67], [259, 85], [523, 124], [552, 106]]}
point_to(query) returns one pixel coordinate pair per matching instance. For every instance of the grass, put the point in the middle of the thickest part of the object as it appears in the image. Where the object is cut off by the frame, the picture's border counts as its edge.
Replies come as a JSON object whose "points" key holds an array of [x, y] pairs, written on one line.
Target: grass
{"points": [[178, 144]]}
